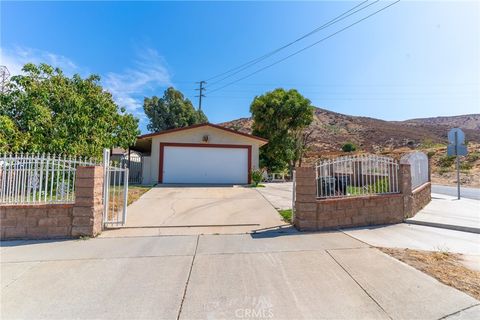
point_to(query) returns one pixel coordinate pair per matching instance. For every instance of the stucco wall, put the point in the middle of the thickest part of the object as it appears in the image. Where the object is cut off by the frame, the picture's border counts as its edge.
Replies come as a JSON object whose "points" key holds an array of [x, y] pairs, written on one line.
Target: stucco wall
{"points": [[195, 135]]}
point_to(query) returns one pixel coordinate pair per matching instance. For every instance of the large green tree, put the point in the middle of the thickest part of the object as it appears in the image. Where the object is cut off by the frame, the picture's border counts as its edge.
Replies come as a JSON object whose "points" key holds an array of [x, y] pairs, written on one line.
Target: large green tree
{"points": [[45, 111], [171, 111], [282, 117]]}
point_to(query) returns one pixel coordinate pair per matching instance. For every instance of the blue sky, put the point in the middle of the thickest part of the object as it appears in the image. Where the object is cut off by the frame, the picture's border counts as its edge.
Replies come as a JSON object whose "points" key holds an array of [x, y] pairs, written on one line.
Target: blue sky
{"points": [[415, 59]]}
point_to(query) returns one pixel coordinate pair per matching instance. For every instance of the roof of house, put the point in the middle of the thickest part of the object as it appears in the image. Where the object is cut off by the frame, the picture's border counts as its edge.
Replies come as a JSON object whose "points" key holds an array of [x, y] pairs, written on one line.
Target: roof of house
{"points": [[148, 135]]}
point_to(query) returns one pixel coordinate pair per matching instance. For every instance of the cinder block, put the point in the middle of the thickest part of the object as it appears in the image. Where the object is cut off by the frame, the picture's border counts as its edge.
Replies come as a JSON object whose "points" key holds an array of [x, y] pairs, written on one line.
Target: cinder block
{"points": [[304, 172], [37, 232], [9, 222], [305, 198], [64, 222], [89, 172], [59, 212], [306, 215], [82, 221], [82, 231], [305, 225], [87, 202], [47, 222], [306, 206], [305, 182], [307, 190], [37, 213], [15, 232], [58, 231], [31, 222]]}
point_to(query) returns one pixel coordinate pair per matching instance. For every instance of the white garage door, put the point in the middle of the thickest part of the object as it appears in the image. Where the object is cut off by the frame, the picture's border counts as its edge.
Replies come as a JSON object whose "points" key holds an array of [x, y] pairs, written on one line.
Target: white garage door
{"points": [[205, 165]]}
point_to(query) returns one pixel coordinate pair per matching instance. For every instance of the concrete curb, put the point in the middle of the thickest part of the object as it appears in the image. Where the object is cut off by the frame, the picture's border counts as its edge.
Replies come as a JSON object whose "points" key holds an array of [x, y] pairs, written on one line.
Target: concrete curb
{"points": [[444, 226]]}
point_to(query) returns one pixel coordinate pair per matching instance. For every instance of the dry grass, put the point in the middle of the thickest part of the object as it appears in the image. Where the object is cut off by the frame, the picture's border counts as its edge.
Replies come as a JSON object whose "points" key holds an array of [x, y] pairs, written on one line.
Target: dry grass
{"points": [[443, 266], [135, 192]]}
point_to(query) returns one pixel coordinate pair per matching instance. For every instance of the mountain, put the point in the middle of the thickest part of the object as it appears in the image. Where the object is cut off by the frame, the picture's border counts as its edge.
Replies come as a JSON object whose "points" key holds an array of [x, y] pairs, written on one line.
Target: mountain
{"points": [[468, 121], [331, 130]]}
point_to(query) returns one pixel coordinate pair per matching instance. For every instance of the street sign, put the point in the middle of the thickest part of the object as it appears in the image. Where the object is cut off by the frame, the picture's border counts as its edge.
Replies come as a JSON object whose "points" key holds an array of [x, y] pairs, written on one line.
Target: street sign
{"points": [[460, 136], [457, 148], [460, 150]]}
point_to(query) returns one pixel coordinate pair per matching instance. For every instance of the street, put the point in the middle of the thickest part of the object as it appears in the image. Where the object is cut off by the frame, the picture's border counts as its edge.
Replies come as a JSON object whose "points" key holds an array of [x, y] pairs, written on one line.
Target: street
{"points": [[470, 193]]}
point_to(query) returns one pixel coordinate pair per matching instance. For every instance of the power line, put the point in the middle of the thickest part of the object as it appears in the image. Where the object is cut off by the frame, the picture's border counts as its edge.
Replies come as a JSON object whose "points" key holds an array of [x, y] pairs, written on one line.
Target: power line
{"points": [[305, 48], [251, 63]]}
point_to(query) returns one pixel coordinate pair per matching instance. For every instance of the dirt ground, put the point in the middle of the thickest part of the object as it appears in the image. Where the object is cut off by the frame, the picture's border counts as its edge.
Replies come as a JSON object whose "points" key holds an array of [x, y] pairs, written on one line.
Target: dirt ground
{"points": [[444, 266]]}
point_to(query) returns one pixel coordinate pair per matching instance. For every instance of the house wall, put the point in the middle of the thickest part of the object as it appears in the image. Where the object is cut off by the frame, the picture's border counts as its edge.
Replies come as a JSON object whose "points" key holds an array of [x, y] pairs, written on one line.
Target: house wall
{"points": [[195, 135], [146, 170]]}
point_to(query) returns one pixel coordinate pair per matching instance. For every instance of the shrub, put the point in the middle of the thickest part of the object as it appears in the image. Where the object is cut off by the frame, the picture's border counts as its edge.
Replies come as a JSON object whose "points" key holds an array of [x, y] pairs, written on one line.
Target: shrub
{"points": [[430, 154], [446, 161], [473, 156], [349, 147], [465, 166], [257, 176]]}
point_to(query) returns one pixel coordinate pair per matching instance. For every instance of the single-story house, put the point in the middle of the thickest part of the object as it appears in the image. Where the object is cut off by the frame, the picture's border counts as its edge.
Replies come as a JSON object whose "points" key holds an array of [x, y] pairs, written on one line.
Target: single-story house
{"points": [[202, 153]]}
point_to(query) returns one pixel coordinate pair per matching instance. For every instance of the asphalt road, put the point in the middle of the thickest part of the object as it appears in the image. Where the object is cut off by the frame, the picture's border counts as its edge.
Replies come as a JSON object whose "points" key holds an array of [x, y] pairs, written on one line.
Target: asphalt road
{"points": [[470, 193]]}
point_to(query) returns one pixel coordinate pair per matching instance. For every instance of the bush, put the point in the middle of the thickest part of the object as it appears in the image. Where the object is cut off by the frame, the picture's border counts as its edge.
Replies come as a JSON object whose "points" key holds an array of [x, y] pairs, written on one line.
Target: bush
{"points": [[430, 154], [473, 156], [465, 166], [257, 176], [349, 147], [446, 161]]}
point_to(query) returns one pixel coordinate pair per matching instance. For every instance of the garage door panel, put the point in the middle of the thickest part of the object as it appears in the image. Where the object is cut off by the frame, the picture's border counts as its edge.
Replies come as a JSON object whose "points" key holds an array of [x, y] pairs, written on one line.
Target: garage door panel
{"points": [[205, 165]]}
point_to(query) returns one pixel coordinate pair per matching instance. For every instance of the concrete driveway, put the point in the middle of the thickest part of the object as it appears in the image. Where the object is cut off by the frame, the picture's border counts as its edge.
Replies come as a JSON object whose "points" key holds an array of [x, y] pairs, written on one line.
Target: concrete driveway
{"points": [[266, 275], [169, 210], [279, 194]]}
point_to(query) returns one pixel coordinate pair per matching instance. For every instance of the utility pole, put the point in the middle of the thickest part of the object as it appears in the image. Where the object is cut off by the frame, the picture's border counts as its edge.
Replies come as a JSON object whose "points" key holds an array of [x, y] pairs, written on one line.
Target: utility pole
{"points": [[200, 94]]}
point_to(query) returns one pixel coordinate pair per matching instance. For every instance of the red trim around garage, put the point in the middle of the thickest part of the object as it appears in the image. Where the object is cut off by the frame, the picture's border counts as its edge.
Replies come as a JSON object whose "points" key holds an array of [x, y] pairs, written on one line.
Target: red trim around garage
{"points": [[148, 135], [203, 145]]}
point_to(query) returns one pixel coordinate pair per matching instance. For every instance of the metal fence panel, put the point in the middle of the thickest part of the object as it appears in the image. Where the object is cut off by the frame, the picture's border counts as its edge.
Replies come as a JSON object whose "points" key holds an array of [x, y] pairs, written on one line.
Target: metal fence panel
{"points": [[39, 178], [134, 165], [115, 193], [356, 175], [418, 162]]}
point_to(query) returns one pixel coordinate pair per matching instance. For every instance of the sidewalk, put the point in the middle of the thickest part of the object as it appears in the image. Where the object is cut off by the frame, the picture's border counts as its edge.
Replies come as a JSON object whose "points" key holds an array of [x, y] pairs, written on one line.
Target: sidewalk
{"points": [[325, 275], [449, 213]]}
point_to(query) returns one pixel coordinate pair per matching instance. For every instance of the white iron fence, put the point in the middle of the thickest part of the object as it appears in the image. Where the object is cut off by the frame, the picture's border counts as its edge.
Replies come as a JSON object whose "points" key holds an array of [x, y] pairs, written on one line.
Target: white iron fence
{"points": [[38, 178], [418, 162], [356, 175], [115, 192]]}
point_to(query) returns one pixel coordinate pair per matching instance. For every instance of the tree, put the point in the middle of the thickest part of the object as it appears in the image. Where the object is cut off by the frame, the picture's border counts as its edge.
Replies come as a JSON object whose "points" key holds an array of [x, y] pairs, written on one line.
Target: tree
{"points": [[171, 111], [282, 117], [349, 147], [46, 111]]}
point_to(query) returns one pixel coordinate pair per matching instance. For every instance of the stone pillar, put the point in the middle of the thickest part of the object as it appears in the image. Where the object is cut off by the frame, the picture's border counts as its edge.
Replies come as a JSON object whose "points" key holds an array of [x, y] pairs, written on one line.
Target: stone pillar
{"points": [[305, 199], [405, 185], [88, 208]]}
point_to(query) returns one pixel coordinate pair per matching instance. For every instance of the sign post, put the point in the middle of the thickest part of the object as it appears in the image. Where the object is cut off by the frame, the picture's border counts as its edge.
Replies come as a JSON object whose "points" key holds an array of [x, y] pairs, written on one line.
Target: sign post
{"points": [[457, 148]]}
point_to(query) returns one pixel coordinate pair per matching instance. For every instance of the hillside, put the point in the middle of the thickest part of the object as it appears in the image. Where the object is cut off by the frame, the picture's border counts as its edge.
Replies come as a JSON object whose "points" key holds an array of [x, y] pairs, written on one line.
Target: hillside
{"points": [[331, 130], [468, 121]]}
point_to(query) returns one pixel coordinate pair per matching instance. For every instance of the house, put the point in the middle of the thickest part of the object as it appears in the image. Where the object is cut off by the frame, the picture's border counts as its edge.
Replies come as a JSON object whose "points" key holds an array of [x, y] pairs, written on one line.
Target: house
{"points": [[202, 153]]}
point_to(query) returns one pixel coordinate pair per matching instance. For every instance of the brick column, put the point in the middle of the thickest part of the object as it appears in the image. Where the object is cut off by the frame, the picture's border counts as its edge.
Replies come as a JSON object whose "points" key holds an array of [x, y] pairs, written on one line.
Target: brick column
{"points": [[88, 209], [305, 199], [405, 185]]}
